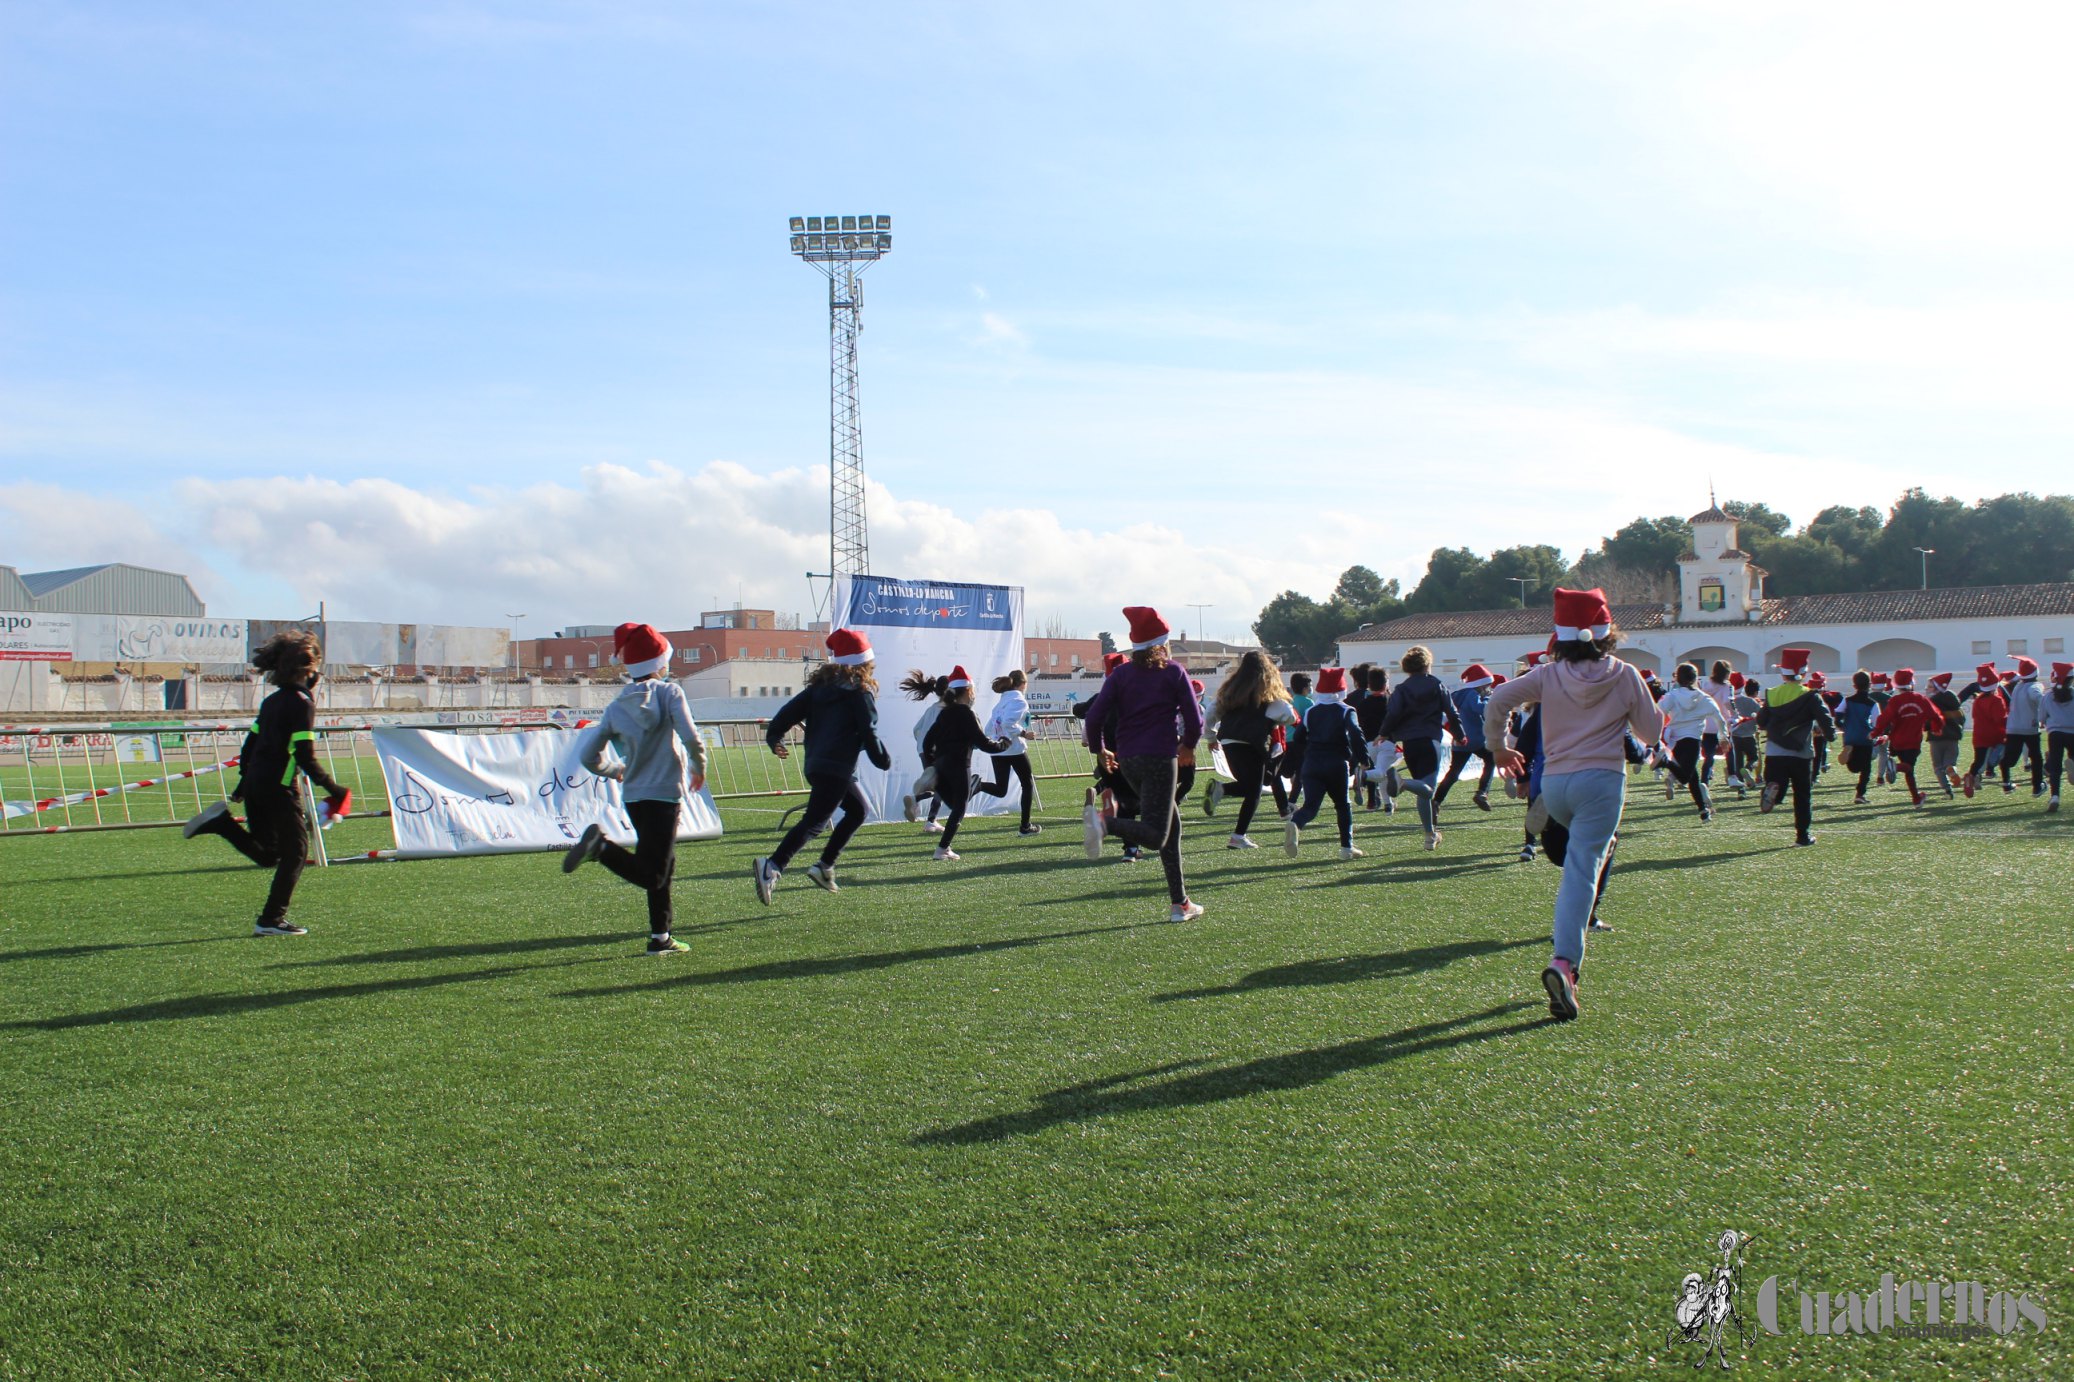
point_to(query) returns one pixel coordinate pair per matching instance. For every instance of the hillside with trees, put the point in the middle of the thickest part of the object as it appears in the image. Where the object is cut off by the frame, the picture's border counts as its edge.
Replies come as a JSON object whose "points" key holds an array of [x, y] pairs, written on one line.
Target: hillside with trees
{"points": [[2012, 539]]}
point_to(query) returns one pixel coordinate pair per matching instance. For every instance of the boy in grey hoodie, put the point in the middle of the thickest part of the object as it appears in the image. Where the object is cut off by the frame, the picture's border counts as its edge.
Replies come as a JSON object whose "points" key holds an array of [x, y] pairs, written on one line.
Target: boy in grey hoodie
{"points": [[646, 723]]}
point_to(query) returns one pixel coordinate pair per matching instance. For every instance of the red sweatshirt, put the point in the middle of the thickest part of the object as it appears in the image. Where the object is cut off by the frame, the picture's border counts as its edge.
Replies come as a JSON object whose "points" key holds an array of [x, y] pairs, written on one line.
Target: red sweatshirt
{"points": [[1906, 718], [1990, 720]]}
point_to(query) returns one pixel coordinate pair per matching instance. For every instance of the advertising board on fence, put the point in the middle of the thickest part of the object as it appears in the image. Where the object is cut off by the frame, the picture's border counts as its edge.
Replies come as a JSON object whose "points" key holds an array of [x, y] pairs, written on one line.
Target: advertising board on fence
{"points": [[504, 793], [36, 637], [933, 625], [158, 638]]}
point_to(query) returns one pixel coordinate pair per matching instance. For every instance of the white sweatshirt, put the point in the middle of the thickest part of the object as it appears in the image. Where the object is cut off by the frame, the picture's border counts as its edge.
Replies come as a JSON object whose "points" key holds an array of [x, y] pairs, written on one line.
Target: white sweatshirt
{"points": [[1006, 722], [1692, 713]]}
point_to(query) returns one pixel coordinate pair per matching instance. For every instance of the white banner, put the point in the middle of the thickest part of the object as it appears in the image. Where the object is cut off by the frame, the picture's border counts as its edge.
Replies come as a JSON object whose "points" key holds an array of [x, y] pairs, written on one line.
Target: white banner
{"points": [[159, 638], [36, 637], [501, 793], [933, 626]]}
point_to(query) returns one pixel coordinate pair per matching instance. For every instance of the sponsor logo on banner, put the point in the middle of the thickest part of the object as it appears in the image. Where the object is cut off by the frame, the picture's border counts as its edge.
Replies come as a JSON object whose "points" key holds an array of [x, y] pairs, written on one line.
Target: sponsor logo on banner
{"points": [[36, 637], [154, 638], [877, 602]]}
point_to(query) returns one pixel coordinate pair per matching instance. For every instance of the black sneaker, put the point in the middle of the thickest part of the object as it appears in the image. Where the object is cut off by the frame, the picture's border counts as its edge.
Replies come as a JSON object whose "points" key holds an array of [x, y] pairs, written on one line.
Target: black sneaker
{"points": [[283, 927], [1802, 841], [666, 945], [585, 849], [1212, 794], [1031, 829], [210, 820]]}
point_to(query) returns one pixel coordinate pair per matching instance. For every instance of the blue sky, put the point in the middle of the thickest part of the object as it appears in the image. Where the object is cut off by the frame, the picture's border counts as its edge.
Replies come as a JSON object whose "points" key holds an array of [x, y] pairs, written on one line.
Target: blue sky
{"points": [[440, 311]]}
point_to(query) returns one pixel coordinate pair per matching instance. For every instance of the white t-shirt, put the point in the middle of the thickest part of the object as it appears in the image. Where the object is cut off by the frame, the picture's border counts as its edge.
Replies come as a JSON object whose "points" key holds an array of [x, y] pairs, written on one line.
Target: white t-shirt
{"points": [[1691, 712]]}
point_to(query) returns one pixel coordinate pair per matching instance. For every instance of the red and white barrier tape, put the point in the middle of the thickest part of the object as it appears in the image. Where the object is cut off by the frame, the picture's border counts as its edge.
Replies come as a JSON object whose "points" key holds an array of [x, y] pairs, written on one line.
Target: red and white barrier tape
{"points": [[12, 809]]}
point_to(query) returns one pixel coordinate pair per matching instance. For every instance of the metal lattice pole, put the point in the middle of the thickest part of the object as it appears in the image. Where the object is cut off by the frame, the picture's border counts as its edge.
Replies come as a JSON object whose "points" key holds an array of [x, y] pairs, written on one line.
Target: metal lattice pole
{"points": [[842, 248]]}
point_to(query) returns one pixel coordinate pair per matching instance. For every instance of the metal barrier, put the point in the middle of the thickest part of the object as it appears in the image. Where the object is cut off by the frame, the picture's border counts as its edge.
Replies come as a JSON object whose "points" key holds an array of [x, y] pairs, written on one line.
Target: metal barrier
{"points": [[57, 779]]}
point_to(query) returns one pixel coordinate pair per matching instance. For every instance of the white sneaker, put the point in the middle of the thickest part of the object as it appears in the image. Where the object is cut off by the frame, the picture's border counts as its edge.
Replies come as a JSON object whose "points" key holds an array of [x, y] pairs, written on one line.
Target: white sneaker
{"points": [[1091, 825], [822, 876], [909, 809], [1526, 854], [1185, 911], [766, 880], [1349, 852], [932, 827], [1292, 838], [1433, 839], [1243, 842], [944, 855], [278, 928]]}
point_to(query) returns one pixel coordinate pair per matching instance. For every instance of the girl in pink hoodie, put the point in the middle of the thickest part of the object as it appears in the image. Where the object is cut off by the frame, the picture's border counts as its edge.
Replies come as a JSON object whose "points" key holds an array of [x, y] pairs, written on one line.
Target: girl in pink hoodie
{"points": [[1590, 702]]}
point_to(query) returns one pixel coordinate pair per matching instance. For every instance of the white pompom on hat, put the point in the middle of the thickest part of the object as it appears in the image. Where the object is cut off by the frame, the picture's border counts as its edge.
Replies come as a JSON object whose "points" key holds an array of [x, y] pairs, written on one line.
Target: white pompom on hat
{"points": [[640, 649], [1582, 614]]}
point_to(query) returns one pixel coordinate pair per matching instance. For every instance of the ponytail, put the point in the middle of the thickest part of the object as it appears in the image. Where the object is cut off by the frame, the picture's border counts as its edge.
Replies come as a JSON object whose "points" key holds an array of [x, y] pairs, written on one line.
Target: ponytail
{"points": [[1010, 681], [920, 686]]}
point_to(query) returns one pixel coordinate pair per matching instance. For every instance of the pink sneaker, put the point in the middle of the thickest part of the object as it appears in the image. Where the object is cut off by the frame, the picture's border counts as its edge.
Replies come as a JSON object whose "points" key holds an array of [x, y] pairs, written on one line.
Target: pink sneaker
{"points": [[1560, 979]]}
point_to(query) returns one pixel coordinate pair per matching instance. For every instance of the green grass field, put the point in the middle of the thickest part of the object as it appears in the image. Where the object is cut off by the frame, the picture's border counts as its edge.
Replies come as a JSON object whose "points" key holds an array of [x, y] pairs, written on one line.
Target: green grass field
{"points": [[998, 1119]]}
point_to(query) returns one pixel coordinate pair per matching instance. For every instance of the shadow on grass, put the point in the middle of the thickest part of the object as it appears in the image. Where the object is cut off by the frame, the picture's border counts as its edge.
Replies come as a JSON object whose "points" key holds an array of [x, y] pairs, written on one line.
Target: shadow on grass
{"points": [[809, 968], [1120, 1094], [1352, 969], [233, 1004], [67, 952], [472, 949], [1694, 861], [96, 877]]}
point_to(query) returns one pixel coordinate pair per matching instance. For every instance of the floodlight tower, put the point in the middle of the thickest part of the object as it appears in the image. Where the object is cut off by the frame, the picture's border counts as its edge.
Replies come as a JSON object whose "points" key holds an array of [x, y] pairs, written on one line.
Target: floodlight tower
{"points": [[842, 248]]}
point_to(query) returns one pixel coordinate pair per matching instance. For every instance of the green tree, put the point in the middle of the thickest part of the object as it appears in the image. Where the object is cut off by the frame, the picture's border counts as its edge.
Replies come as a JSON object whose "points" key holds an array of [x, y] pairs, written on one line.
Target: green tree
{"points": [[1359, 588], [1108, 642], [1757, 521], [1453, 581], [1649, 544], [1298, 629], [1541, 566]]}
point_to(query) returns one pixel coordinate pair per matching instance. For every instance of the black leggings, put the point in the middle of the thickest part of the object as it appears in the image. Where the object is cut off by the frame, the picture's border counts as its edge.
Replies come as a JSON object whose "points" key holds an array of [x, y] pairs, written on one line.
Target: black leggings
{"points": [[954, 787], [826, 793], [2058, 744], [1019, 765], [275, 835], [1153, 780], [652, 863], [1685, 757], [2025, 747], [1458, 758], [1317, 786], [1710, 747], [1795, 775], [1864, 758], [1985, 759], [1252, 771]]}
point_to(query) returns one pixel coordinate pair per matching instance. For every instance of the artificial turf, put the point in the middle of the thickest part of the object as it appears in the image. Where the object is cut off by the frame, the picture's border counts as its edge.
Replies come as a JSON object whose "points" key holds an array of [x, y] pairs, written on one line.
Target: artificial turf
{"points": [[997, 1118]]}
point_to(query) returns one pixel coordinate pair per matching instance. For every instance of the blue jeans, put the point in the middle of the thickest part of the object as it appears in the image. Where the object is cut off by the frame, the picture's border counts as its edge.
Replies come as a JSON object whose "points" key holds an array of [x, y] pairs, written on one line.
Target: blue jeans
{"points": [[1588, 804], [1419, 772]]}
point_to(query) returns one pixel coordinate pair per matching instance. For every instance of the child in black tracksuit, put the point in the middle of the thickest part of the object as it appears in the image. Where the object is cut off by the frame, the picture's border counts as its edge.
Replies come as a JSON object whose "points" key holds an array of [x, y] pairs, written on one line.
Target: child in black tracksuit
{"points": [[840, 712], [280, 747], [1330, 746], [948, 748]]}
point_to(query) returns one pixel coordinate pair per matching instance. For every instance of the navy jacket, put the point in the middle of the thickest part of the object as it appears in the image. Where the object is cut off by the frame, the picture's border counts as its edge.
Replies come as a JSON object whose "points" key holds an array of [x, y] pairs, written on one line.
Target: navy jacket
{"points": [[1329, 741], [841, 722]]}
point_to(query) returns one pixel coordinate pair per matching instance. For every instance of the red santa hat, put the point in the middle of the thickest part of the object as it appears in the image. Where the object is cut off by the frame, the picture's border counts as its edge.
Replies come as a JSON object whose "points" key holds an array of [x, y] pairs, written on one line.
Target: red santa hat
{"points": [[1476, 674], [640, 649], [1148, 630], [1794, 661], [1881, 679], [1112, 661], [1986, 674], [1941, 680], [1904, 676], [1816, 681], [1535, 658], [1195, 686], [1582, 614], [960, 679], [1499, 679], [2063, 671], [849, 648], [2026, 669], [1736, 680], [1332, 681]]}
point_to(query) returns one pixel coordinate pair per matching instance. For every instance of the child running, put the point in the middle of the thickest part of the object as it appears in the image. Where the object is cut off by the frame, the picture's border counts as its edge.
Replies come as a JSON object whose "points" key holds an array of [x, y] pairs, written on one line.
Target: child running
{"points": [[1590, 702], [646, 723], [1990, 715], [280, 747], [1009, 721], [1906, 718], [1742, 732], [1860, 710], [2059, 728], [948, 749], [1251, 706], [840, 712], [1157, 725], [1420, 712], [1688, 713], [920, 686], [1469, 699], [1330, 746], [1951, 729], [2026, 723], [1791, 718]]}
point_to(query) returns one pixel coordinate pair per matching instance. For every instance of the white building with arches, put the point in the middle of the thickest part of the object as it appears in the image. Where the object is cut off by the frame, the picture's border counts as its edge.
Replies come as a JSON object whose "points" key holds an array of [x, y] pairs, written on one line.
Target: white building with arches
{"points": [[1723, 613]]}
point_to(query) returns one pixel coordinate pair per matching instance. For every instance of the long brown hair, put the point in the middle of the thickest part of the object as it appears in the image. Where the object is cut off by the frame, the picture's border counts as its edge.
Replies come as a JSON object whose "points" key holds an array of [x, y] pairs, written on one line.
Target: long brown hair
{"points": [[291, 657], [1254, 682], [832, 673], [1011, 681]]}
